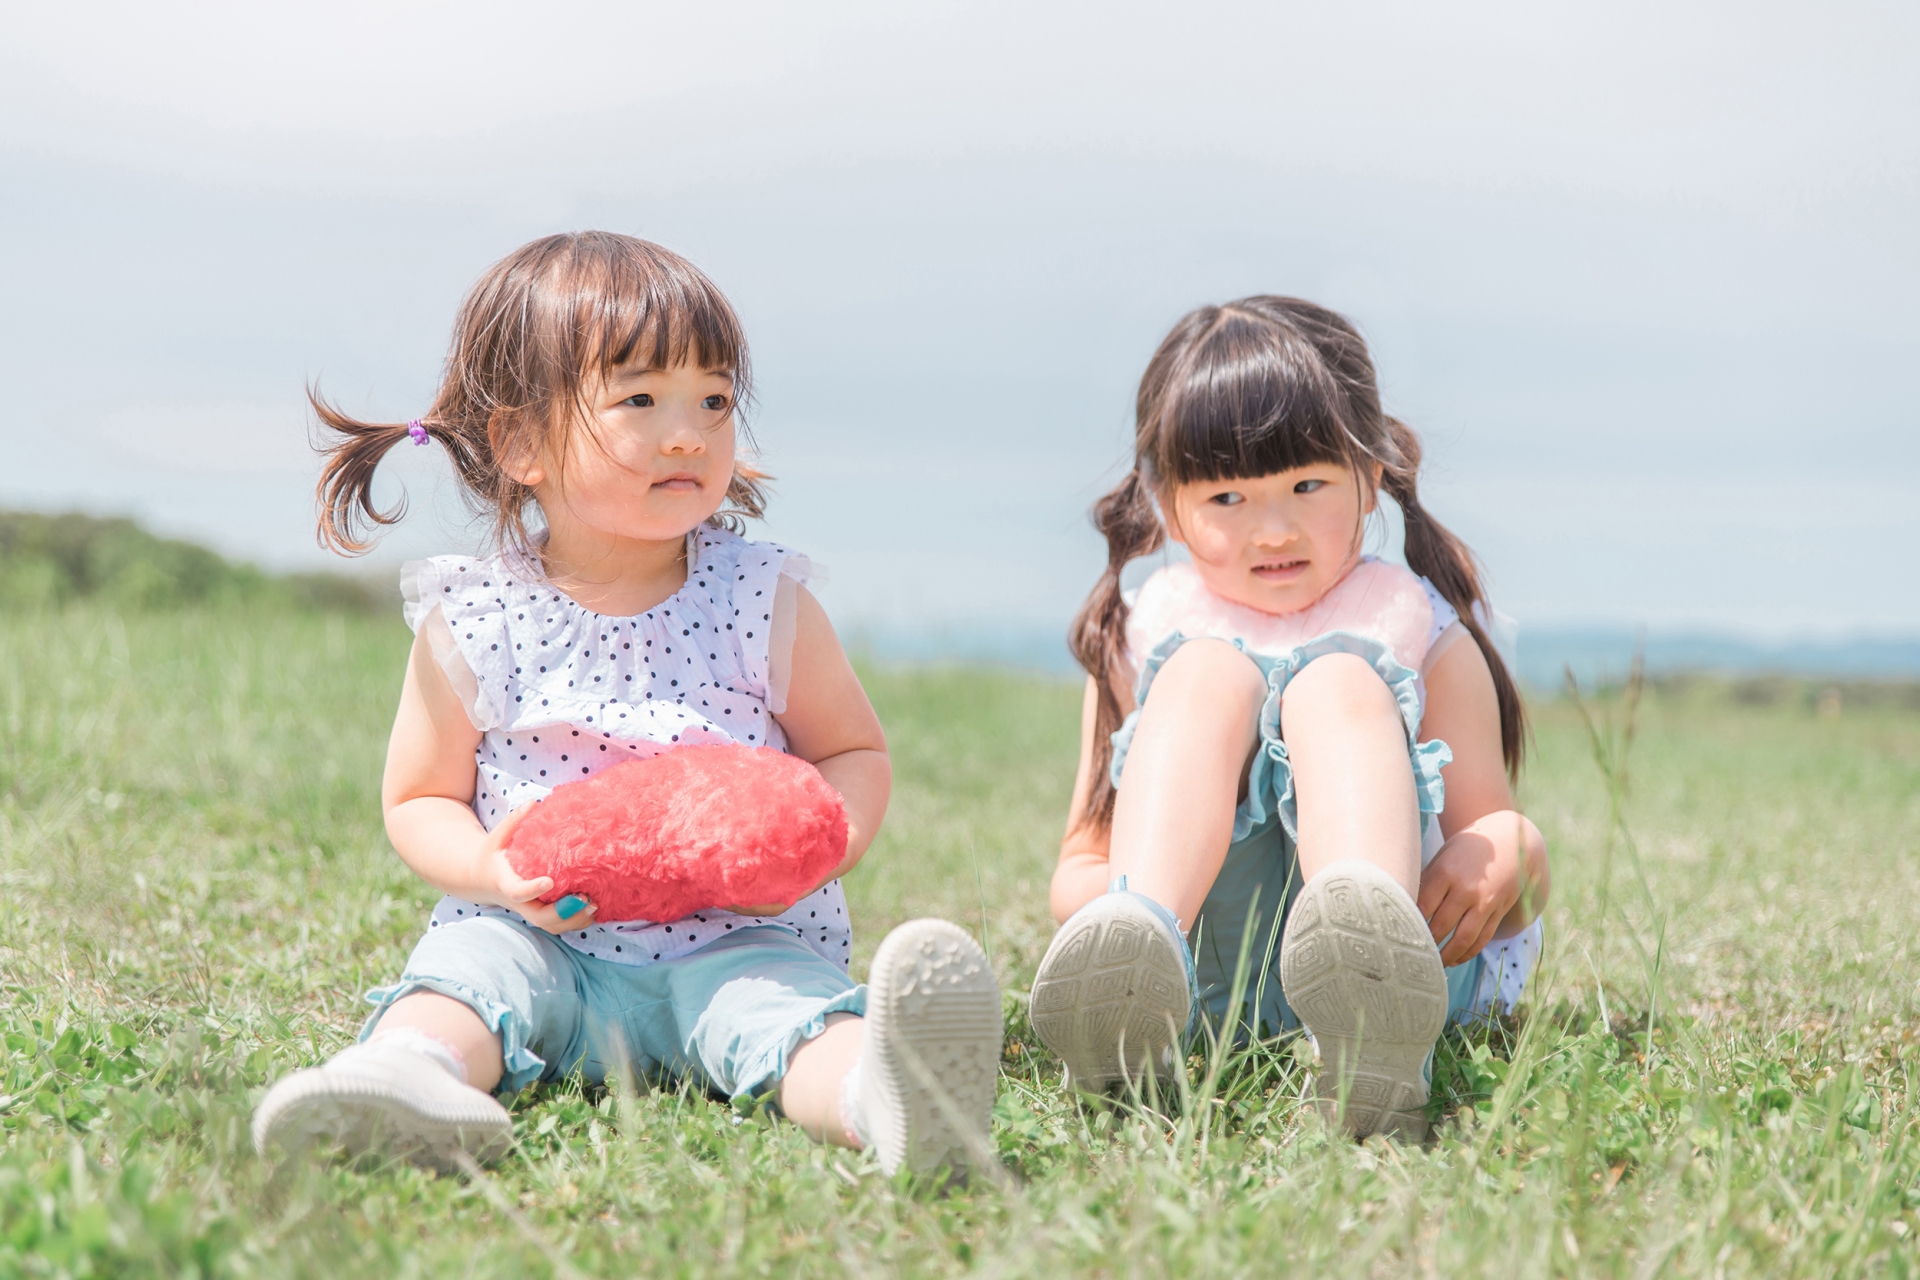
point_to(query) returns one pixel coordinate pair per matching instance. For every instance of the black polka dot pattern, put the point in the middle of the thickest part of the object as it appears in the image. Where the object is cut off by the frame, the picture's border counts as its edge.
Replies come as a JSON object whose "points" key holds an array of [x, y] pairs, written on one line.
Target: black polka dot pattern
{"points": [[563, 692], [1444, 614], [1505, 966]]}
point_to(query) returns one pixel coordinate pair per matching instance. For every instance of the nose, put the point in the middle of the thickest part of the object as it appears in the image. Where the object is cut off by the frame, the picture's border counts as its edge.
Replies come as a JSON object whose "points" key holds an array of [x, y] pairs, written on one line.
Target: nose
{"points": [[683, 435], [1275, 527]]}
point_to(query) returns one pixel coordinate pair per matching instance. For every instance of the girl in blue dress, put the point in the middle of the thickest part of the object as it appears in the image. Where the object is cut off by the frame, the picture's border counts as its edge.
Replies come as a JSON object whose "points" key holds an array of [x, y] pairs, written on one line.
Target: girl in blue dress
{"points": [[1285, 739]]}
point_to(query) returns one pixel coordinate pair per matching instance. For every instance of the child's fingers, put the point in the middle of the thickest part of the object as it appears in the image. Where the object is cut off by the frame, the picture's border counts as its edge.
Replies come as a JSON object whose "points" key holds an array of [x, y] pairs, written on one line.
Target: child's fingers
{"points": [[1462, 947], [1445, 917], [1433, 891], [1463, 931], [1471, 936], [512, 886], [546, 916]]}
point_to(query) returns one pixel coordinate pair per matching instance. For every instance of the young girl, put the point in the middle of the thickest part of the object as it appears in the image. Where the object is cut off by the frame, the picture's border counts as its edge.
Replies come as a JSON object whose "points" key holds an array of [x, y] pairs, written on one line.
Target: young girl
{"points": [[596, 378], [1282, 712]]}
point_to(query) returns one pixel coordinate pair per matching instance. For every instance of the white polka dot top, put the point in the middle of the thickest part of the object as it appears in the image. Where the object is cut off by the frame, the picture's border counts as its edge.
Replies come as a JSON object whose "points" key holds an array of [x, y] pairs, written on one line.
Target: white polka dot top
{"points": [[560, 692]]}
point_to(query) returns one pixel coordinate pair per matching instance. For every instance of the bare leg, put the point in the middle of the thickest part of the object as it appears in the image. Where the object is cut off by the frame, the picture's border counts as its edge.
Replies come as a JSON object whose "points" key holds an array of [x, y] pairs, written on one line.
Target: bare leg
{"points": [[1078, 878], [1352, 778], [1173, 819], [448, 1019], [1375, 1008], [810, 1092]]}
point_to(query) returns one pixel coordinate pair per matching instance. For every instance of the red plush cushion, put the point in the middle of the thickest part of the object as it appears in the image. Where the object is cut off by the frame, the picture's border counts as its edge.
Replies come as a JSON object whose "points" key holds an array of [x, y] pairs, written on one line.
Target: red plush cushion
{"points": [[695, 828]]}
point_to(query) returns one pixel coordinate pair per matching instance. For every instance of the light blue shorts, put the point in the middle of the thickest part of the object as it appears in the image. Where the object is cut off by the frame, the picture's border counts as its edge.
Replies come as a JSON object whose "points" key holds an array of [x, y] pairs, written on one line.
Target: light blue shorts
{"points": [[1260, 878], [727, 1016]]}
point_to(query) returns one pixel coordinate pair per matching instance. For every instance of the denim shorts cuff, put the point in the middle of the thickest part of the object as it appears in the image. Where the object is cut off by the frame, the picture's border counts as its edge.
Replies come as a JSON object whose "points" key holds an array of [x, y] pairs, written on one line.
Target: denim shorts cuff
{"points": [[766, 1067], [522, 1066]]}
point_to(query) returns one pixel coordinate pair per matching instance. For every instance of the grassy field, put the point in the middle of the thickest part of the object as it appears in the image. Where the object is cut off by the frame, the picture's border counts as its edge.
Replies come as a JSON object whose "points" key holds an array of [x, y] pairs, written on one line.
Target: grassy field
{"points": [[1714, 1074]]}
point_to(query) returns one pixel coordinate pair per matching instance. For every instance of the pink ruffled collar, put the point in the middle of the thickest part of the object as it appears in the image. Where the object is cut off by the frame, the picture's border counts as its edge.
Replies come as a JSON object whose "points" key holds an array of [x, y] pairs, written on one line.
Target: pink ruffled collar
{"points": [[1378, 599]]}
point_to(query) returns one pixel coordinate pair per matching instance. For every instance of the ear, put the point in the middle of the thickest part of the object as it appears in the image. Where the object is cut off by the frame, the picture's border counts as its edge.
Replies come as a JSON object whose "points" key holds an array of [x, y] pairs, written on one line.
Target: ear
{"points": [[1169, 514], [1370, 500], [514, 453]]}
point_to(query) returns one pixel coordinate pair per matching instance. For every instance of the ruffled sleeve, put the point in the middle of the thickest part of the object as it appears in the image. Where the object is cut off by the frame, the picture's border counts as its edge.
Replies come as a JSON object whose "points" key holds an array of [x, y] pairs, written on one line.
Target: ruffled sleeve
{"points": [[419, 591], [765, 601], [1444, 614], [426, 588], [1502, 630]]}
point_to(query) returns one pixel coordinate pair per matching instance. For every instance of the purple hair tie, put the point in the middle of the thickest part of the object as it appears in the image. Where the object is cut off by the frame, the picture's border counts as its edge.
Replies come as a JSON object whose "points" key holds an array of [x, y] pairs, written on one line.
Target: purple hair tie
{"points": [[418, 432]]}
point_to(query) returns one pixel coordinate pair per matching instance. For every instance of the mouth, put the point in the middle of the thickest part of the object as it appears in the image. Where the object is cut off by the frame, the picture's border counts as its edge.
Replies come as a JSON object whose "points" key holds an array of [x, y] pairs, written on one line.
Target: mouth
{"points": [[1280, 570], [679, 482]]}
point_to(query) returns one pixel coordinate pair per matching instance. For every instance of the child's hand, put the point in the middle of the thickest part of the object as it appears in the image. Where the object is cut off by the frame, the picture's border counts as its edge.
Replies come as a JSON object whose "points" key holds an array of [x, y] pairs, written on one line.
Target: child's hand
{"points": [[498, 884], [1467, 890]]}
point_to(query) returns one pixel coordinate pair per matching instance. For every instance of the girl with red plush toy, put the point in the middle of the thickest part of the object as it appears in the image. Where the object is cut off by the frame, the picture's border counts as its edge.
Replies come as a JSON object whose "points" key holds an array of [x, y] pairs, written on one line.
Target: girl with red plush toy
{"points": [[709, 763]]}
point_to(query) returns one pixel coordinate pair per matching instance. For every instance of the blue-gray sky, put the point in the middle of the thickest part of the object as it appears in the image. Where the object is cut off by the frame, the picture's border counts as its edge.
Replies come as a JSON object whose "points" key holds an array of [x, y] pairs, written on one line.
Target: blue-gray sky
{"points": [[1645, 276]]}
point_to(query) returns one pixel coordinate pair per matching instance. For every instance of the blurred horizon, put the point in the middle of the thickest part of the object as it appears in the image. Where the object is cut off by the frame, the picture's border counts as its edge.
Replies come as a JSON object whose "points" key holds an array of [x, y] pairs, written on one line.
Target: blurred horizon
{"points": [[1644, 280], [54, 561]]}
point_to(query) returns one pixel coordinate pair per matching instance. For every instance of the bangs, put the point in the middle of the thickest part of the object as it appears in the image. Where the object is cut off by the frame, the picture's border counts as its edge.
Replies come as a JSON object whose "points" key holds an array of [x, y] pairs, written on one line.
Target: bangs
{"points": [[1247, 398], [658, 310], [568, 309]]}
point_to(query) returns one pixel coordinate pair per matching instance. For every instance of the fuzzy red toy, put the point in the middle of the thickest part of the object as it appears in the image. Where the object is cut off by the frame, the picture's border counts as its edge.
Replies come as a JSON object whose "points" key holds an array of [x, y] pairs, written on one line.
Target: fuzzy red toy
{"points": [[695, 828]]}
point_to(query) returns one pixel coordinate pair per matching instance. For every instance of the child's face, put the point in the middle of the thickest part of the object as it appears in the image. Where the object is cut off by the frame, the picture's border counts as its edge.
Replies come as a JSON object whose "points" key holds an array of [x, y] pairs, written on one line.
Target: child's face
{"points": [[1276, 543], [653, 460]]}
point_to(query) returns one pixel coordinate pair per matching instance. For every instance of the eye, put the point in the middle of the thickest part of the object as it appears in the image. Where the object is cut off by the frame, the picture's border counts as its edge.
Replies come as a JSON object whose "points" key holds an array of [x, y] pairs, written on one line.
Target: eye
{"points": [[641, 401], [714, 402], [1228, 499], [1308, 486]]}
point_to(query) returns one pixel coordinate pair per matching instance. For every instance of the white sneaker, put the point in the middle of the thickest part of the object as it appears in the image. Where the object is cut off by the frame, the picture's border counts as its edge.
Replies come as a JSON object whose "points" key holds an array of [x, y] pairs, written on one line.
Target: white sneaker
{"points": [[932, 1051], [385, 1099], [1360, 969], [1115, 991]]}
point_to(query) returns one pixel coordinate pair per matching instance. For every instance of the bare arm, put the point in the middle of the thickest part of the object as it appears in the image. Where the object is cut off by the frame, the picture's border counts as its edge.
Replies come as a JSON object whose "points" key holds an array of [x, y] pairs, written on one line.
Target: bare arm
{"points": [[1490, 880], [427, 795], [830, 724], [1081, 874]]}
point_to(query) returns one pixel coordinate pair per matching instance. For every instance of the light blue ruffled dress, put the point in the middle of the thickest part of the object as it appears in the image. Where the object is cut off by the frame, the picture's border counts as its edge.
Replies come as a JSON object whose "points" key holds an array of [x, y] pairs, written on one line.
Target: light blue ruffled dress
{"points": [[1260, 878]]}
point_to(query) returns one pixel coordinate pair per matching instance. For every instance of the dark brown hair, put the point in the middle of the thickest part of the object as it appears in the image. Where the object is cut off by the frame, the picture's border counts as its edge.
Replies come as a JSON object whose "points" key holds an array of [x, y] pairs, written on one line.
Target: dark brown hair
{"points": [[1256, 387], [541, 326]]}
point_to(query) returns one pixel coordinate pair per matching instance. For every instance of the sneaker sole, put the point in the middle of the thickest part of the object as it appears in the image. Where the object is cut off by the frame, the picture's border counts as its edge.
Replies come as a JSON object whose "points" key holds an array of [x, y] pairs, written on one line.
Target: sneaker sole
{"points": [[933, 1047], [1110, 998], [333, 1108], [1359, 968]]}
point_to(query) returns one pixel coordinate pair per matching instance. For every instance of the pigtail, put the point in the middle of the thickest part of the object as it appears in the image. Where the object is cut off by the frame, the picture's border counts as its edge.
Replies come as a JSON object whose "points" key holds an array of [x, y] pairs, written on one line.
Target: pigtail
{"points": [[532, 332], [1127, 519], [1437, 555], [345, 492], [461, 425]]}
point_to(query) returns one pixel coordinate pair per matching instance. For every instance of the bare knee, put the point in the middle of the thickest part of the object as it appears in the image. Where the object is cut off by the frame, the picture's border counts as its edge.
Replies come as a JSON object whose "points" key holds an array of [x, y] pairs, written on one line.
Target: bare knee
{"points": [[1339, 685], [1212, 673]]}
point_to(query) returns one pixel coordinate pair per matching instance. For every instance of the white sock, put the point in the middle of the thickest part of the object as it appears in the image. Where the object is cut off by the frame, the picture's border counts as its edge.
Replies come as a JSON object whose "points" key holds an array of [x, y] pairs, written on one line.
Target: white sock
{"points": [[428, 1046], [851, 1117]]}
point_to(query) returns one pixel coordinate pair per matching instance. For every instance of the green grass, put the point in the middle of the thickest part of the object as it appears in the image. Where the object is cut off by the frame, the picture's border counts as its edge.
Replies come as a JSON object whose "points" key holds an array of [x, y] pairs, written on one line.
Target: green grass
{"points": [[1713, 1075]]}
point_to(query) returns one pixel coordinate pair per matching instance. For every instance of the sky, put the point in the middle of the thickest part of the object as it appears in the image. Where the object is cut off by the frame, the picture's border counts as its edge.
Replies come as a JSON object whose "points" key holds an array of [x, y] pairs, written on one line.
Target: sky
{"points": [[1644, 276]]}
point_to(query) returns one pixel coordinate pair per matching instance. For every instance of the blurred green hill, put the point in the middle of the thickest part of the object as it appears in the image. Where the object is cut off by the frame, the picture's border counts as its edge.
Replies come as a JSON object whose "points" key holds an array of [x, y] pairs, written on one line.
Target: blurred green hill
{"points": [[49, 560]]}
